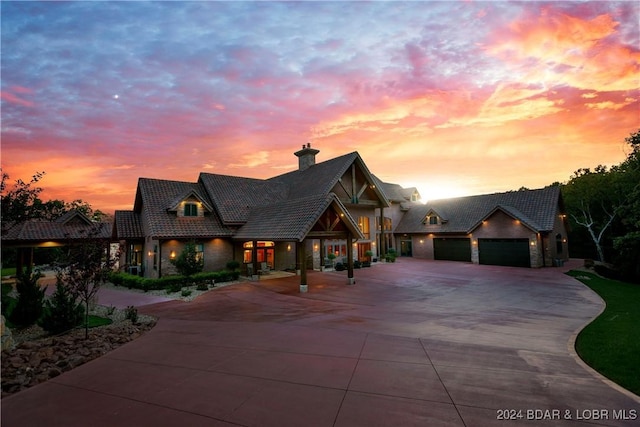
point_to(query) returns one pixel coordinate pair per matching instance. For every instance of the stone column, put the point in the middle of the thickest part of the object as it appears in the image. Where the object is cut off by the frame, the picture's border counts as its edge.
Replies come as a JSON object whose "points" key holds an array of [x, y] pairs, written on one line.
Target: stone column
{"points": [[350, 279], [302, 259], [254, 260], [381, 248]]}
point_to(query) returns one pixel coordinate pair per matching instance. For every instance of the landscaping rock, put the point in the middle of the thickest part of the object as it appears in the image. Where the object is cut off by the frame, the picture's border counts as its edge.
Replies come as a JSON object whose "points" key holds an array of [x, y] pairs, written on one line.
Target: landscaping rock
{"points": [[41, 358]]}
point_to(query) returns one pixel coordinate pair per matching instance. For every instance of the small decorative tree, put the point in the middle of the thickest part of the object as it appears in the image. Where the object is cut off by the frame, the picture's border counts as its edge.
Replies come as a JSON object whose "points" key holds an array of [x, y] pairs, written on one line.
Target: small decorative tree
{"points": [[28, 308], [332, 258], [188, 262], [367, 263], [62, 311], [85, 267]]}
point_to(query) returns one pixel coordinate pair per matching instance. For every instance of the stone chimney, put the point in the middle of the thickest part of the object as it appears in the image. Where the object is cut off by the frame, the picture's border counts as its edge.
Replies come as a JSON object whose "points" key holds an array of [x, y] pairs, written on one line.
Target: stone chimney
{"points": [[306, 157]]}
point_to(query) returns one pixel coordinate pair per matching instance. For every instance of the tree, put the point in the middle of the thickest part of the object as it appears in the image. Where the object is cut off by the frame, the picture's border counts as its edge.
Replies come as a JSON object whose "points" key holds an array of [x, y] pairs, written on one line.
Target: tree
{"points": [[85, 267], [18, 202], [62, 311], [22, 202], [627, 245], [189, 262], [593, 200], [28, 308]]}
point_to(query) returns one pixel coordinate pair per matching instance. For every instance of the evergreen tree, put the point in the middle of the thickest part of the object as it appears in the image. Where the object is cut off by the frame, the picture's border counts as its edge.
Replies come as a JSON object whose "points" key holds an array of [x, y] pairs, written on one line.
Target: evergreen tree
{"points": [[28, 309], [62, 312]]}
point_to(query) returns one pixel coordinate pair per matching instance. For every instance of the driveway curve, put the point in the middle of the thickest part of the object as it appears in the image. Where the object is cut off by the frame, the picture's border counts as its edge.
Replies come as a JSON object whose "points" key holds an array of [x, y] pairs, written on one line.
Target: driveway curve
{"points": [[421, 343]]}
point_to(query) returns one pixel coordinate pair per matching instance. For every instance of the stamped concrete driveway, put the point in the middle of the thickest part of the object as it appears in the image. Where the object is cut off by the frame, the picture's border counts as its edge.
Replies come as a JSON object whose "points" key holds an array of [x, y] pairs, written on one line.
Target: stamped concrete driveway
{"points": [[415, 343]]}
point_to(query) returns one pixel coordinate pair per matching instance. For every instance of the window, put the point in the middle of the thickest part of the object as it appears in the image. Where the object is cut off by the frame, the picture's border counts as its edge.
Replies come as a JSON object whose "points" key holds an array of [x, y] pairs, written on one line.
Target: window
{"points": [[199, 252], [190, 209], [433, 220], [363, 223]]}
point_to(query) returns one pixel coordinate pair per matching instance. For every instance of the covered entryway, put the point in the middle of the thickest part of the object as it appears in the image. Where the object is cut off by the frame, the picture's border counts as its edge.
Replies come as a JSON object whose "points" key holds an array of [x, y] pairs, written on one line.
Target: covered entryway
{"points": [[507, 252], [452, 249]]}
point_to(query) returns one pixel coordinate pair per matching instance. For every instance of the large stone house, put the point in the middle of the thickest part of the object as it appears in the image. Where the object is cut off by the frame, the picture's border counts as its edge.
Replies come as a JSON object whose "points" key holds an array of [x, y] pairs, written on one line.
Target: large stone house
{"points": [[293, 221], [278, 223]]}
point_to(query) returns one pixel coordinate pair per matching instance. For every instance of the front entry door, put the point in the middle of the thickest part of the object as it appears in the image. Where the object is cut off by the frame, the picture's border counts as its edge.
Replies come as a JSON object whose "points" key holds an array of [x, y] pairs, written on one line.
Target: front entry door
{"points": [[405, 248]]}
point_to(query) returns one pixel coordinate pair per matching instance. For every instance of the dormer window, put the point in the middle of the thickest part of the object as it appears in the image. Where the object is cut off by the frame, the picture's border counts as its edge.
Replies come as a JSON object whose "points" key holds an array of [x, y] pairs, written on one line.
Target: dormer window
{"points": [[433, 220], [190, 209]]}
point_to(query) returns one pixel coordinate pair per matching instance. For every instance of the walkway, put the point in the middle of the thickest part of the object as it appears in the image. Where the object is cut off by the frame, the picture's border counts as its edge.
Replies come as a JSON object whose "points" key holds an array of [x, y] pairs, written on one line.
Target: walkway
{"points": [[412, 343]]}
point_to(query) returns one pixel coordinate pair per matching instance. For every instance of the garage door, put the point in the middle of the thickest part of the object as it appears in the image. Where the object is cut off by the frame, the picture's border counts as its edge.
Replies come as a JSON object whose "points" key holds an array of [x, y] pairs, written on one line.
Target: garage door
{"points": [[452, 249], [509, 252]]}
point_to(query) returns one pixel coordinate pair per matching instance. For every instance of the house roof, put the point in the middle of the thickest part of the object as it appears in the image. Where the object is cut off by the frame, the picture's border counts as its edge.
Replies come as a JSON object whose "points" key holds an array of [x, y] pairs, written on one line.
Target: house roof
{"points": [[234, 196], [321, 178], [159, 196], [536, 209], [127, 225], [73, 225], [292, 219]]}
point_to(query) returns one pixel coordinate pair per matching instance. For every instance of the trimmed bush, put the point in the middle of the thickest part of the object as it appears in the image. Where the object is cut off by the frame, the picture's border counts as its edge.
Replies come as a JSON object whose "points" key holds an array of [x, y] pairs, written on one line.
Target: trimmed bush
{"points": [[233, 265], [172, 283]]}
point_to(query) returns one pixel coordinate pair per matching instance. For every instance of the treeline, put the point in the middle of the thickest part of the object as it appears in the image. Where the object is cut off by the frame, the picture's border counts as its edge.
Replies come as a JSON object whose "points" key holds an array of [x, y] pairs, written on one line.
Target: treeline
{"points": [[603, 206]]}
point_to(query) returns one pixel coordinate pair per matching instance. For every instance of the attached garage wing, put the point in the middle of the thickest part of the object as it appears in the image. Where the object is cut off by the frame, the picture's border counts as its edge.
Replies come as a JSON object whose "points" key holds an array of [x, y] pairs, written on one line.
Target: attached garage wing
{"points": [[507, 252], [452, 249]]}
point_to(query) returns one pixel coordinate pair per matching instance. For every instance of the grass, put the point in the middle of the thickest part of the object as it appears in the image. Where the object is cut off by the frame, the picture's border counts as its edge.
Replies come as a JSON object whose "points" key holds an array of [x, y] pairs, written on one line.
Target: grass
{"points": [[9, 271], [95, 321], [610, 343]]}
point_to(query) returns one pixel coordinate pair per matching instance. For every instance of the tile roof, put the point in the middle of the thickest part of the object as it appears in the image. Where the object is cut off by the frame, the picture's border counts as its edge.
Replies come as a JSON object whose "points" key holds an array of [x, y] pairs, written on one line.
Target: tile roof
{"points": [[234, 196], [157, 196], [535, 208], [42, 231], [127, 225], [291, 219], [321, 178]]}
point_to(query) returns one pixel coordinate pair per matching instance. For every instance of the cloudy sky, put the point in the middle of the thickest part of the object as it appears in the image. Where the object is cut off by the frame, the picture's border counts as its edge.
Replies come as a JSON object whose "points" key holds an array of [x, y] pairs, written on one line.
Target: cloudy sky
{"points": [[455, 98]]}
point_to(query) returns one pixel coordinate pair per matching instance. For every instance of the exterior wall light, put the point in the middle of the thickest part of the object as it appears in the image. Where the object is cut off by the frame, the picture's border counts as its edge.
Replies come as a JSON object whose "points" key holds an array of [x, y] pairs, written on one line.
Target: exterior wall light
{"points": [[532, 243], [172, 255]]}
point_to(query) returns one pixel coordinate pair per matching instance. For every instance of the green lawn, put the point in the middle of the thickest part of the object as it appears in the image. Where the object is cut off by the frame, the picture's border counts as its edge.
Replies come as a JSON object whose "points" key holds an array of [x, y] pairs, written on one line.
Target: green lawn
{"points": [[95, 321], [8, 271], [610, 344]]}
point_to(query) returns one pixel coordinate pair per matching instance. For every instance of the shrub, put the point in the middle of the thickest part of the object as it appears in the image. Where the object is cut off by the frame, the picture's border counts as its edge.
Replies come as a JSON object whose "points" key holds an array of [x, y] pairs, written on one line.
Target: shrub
{"points": [[61, 312], [391, 255], [233, 265], [357, 264], [340, 266], [8, 302], [186, 292], [174, 287], [131, 313], [28, 308], [188, 263]]}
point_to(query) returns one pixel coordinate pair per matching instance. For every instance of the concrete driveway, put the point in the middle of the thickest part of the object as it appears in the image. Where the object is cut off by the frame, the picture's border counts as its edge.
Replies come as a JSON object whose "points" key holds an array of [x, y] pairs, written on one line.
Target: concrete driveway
{"points": [[415, 343]]}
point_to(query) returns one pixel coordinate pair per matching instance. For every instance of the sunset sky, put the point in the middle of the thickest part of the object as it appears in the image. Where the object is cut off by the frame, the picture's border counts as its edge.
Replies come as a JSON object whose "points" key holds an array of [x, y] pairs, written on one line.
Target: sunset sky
{"points": [[455, 98]]}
